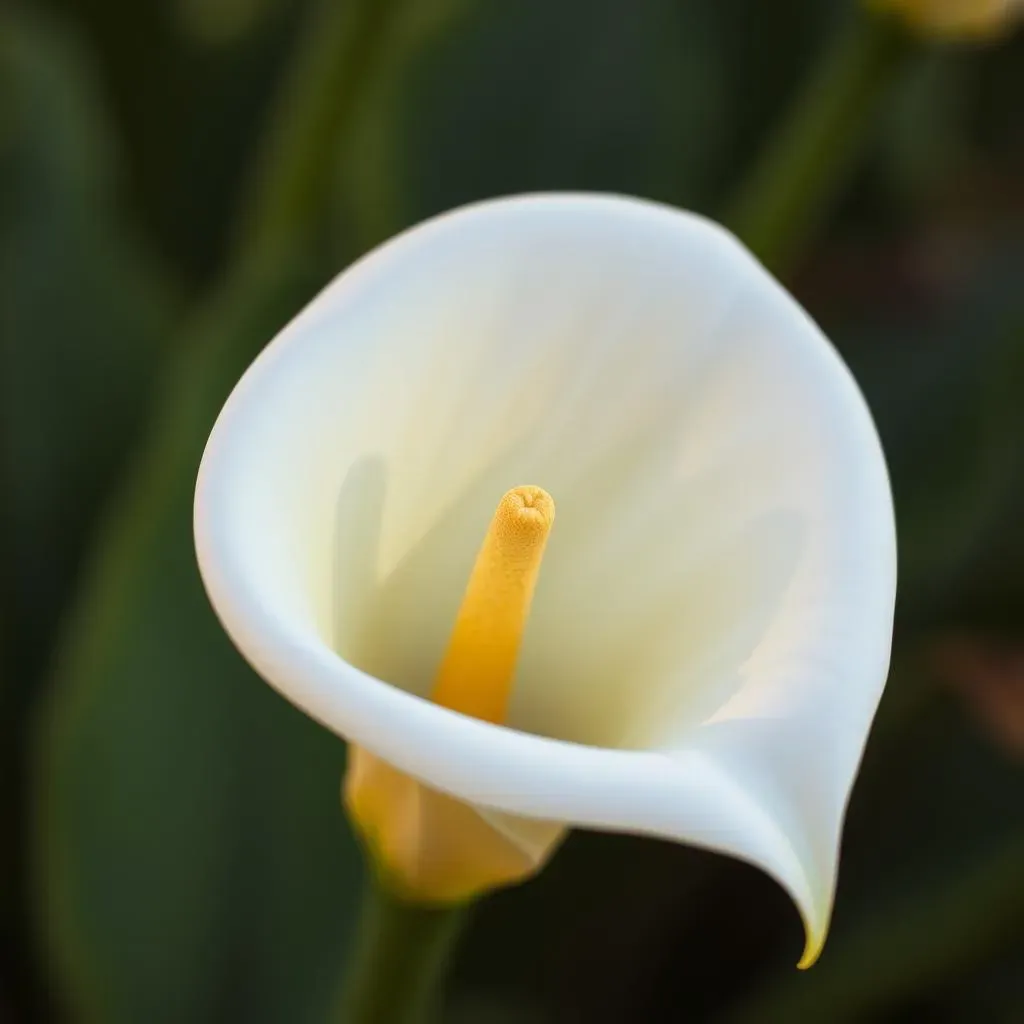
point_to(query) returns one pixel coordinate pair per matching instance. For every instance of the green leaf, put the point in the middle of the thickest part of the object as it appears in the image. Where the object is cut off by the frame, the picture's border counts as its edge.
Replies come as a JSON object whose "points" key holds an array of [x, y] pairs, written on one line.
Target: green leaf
{"points": [[194, 861], [84, 317], [83, 314]]}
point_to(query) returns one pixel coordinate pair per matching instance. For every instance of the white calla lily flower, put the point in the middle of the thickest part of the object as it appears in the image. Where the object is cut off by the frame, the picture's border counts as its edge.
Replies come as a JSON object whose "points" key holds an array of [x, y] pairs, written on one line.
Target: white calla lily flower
{"points": [[710, 633]]}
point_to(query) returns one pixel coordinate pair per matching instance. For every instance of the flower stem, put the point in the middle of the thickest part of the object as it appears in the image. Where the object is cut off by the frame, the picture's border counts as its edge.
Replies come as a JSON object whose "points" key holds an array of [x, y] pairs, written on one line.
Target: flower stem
{"points": [[807, 160], [343, 46], [401, 952]]}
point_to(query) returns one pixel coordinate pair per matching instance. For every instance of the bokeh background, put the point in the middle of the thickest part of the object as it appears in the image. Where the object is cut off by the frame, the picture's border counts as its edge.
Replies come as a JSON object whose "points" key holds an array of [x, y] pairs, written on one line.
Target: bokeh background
{"points": [[172, 848]]}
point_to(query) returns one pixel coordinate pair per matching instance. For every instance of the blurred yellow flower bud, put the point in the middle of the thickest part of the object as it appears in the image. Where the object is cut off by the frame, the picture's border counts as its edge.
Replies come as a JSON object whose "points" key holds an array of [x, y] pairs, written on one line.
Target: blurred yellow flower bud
{"points": [[956, 19]]}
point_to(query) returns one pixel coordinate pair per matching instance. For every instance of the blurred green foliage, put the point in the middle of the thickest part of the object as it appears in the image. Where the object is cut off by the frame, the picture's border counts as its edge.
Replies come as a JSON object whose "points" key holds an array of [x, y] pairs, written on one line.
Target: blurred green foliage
{"points": [[176, 851]]}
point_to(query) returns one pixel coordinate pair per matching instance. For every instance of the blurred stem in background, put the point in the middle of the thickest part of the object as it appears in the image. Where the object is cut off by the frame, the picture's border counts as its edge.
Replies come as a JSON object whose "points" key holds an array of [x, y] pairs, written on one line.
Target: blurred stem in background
{"points": [[399, 960], [342, 46], [807, 159]]}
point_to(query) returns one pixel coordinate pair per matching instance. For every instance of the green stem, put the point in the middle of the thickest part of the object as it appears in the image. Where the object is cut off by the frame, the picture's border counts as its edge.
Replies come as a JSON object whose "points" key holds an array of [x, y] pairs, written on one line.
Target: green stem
{"points": [[791, 187], [277, 265], [401, 952], [343, 46]]}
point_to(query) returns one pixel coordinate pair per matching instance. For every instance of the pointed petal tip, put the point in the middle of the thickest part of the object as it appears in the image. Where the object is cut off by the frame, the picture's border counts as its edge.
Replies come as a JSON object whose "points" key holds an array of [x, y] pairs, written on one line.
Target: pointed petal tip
{"points": [[814, 942]]}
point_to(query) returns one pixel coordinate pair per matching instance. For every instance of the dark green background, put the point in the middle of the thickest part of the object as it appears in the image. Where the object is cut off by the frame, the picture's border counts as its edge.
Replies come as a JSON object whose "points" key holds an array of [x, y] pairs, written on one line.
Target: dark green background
{"points": [[172, 846]]}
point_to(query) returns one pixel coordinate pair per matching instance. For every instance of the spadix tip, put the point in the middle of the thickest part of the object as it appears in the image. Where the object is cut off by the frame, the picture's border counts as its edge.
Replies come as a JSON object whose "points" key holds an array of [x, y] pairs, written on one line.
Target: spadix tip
{"points": [[525, 510]]}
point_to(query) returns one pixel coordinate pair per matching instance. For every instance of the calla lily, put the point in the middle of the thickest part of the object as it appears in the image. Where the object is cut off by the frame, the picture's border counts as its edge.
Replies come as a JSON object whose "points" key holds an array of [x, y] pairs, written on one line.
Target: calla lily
{"points": [[710, 631]]}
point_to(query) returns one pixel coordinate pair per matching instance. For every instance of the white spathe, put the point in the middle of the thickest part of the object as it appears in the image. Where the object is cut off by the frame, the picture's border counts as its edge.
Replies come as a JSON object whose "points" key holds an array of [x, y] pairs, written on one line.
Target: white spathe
{"points": [[710, 636]]}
